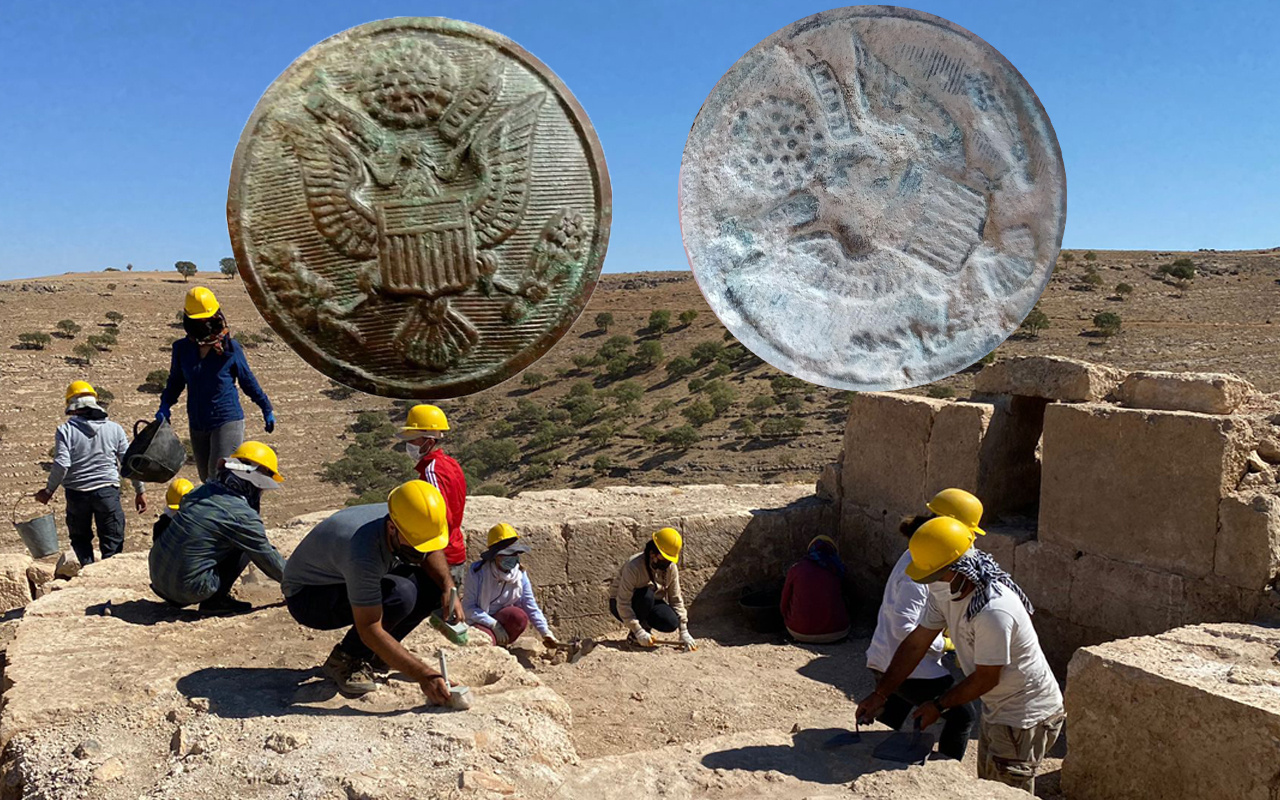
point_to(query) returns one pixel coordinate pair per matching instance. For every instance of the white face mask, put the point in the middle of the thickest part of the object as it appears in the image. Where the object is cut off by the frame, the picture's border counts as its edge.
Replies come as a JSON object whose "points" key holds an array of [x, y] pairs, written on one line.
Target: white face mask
{"points": [[414, 451]]}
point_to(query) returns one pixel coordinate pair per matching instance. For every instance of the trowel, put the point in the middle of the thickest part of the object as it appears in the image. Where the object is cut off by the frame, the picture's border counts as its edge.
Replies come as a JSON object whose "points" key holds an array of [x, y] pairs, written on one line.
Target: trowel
{"points": [[906, 748], [459, 696], [575, 649], [455, 632]]}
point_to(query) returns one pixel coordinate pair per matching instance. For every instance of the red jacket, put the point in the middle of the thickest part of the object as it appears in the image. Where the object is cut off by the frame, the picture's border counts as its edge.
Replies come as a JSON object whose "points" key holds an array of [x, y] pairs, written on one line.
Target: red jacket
{"points": [[812, 603], [444, 473]]}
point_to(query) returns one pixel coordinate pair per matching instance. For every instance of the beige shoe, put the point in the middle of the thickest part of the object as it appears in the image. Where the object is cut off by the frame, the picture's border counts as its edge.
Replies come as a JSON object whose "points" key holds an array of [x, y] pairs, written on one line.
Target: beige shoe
{"points": [[352, 675]]}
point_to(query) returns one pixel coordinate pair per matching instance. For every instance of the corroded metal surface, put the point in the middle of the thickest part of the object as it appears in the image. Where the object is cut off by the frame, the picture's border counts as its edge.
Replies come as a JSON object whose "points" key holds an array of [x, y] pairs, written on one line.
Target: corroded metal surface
{"points": [[872, 198], [419, 207]]}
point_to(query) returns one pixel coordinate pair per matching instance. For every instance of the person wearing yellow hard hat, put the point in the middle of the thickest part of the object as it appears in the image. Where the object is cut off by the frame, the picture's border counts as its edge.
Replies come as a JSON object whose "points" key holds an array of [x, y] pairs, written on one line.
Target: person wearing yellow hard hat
{"points": [[813, 605], [901, 607], [379, 570], [958, 504], [178, 489], [209, 364], [424, 430], [997, 648], [88, 450], [499, 595], [646, 594], [217, 532]]}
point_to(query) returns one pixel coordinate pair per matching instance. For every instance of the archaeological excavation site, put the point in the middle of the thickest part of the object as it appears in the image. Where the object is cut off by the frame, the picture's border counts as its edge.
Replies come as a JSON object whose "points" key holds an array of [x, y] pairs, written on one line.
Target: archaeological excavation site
{"points": [[1140, 512]]}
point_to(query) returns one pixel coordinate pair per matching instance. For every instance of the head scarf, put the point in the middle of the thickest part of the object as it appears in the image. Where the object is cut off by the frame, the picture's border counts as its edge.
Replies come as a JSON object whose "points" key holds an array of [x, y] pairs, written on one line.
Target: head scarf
{"points": [[237, 485], [984, 573], [86, 406], [823, 552], [210, 332]]}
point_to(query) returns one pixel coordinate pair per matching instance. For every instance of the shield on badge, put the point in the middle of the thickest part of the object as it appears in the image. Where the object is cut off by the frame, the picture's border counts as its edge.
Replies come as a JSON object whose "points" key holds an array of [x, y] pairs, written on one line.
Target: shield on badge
{"points": [[426, 246]]}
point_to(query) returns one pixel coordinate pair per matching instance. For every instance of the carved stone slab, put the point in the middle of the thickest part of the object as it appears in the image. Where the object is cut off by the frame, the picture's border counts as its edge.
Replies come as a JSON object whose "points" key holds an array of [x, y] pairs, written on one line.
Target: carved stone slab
{"points": [[419, 207], [872, 198]]}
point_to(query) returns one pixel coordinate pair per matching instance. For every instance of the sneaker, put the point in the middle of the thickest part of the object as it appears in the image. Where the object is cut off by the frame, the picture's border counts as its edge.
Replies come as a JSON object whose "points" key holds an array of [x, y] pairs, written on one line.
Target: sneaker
{"points": [[225, 605], [352, 674]]}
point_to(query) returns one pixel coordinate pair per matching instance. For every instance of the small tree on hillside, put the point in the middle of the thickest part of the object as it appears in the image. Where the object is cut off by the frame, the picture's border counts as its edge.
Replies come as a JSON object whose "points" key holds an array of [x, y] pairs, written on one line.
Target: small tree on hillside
{"points": [[34, 340], [681, 438], [129, 267], [616, 346], [186, 269], [603, 320], [687, 317], [680, 366], [1123, 290], [228, 267], [156, 380], [1107, 323], [659, 321], [68, 328], [1035, 322], [648, 355], [101, 342], [533, 379], [85, 352], [115, 318], [1068, 257], [1090, 256], [1092, 279]]}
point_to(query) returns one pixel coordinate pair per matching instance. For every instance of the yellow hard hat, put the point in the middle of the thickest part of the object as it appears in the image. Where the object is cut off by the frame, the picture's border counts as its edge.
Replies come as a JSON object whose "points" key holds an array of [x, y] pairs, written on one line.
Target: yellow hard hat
{"points": [[200, 303], [424, 419], [958, 504], [79, 388], [500, 533], [938, 544], [176, 491], [417, 508], [258, 453], [822, 538], [669, 543]]}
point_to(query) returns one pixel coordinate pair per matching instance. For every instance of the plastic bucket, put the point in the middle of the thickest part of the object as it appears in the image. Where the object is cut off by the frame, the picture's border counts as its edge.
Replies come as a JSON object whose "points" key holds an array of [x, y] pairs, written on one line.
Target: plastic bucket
{"points": [[40, 535], [761, 609]]}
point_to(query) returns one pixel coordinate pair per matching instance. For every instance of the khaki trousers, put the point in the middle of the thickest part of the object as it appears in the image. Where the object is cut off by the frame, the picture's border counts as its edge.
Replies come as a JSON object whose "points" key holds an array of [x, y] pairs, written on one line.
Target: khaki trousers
{"points": [[1011, 755]]}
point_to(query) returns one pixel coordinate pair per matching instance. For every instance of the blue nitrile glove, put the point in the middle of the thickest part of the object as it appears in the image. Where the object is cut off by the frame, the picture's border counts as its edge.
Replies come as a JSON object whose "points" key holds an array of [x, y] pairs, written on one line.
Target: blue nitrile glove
{"points": [[270, 419], [163, 414]]}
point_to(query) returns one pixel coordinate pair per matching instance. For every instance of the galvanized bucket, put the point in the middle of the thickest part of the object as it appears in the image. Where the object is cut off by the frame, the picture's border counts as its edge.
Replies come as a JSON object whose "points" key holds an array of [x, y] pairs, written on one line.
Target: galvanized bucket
{"points": [[40, 535]]}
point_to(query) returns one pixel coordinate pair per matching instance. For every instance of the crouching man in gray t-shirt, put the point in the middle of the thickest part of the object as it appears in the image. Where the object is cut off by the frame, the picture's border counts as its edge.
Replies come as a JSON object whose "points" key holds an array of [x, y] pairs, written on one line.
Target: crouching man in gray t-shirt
{"points": [[990, 622], [380, 568]]}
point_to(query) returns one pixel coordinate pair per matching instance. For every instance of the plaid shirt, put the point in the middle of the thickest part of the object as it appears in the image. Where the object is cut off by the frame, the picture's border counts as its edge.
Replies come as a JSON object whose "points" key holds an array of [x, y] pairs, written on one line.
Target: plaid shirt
{"points": [[211, 524]]}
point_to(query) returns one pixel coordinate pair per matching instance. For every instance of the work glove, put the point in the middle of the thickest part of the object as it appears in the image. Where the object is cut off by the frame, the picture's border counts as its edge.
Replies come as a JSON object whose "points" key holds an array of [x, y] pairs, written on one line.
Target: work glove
{"points": [[550, 642], [688, 641], [163, 414], [270, 419], [500, 634], [644, 638]]}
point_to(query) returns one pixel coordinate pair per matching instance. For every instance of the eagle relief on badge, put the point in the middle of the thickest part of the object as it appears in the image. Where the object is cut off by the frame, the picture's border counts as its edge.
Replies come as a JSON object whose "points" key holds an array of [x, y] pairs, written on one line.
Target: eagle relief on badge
{"points": [[419, 207]]}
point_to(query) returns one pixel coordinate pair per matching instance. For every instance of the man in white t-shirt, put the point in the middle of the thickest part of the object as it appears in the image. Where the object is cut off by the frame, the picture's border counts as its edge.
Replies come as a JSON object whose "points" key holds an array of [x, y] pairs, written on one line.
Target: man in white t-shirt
{"points": [[990, 622]]}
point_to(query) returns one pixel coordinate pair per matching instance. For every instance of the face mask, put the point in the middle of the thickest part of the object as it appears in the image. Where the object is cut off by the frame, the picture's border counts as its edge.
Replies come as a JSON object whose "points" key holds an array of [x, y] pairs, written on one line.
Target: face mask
{"points": [[409, 555], [413, 451], [957, 588], [660, 564], [507, 563]]}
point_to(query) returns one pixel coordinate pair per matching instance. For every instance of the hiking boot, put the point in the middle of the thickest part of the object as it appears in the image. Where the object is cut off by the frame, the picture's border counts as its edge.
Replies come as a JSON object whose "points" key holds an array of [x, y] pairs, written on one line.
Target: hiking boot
{"points": [[225, 605], [351, 673]]}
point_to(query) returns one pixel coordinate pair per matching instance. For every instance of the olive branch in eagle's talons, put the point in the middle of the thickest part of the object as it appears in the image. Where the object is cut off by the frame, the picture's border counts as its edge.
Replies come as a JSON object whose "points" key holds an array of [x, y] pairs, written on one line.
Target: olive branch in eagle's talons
{"points": [[554, 259]]}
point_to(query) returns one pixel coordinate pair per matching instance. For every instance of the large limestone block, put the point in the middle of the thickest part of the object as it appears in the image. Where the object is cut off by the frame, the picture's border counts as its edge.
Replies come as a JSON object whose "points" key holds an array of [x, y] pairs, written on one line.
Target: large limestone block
{"points": [[15, 589], [547, 559], [1044, 573], [710, 538], [597, 546], [1192, 714], [955, 446], [1051, 377], [1140, 486], [1204, 392], [886, 451], [1247, 549], [1124, 599], [1002, 544]]}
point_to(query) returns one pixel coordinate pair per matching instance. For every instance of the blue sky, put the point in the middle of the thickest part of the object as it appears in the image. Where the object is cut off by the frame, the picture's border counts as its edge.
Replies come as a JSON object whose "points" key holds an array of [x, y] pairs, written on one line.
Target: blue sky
{"points": [[119, 120]]}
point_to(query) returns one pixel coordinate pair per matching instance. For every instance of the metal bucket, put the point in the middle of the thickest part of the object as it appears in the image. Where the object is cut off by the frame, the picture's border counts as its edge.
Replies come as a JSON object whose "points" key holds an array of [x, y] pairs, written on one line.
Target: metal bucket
{"points": [[40, 535]]}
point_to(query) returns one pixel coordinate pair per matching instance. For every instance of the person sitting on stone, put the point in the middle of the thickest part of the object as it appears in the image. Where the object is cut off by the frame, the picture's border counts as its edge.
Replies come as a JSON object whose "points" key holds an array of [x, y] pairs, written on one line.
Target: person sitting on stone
{"points": [[646, 594], [217, 531], [813, 608], [379, 569], [178, 489], [87, 450], [499, 595], [902, 606], [999, 652]]}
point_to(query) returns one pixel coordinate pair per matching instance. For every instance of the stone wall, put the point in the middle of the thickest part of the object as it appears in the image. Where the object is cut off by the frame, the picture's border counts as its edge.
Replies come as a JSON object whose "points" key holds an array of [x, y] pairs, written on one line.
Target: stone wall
{"points": [[734, 537], [1193, 713], [1123, 504]]}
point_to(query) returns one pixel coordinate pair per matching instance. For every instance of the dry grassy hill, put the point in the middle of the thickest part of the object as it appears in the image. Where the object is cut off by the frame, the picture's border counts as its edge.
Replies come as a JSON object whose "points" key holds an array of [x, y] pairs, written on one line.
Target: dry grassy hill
{"points": [[595, 420]]}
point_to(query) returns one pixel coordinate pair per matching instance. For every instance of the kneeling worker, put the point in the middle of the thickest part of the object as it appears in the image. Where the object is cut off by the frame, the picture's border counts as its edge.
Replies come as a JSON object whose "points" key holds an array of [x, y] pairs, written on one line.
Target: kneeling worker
{"points": [[217, 532], [379, 568], [646, 594], [178, 489], [499, 595], [990, 622]]}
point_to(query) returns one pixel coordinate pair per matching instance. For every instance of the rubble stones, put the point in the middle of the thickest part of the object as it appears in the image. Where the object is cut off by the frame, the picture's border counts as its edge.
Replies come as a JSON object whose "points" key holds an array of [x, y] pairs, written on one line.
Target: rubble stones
{"points": [[1050, 377], [1193, 713], [15, 588], [286, 742], [68, 566], [1203, 392]]}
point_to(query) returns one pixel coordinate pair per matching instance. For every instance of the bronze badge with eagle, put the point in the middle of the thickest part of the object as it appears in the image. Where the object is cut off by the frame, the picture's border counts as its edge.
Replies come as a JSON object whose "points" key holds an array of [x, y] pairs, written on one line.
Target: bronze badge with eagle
{"points": [[419, 207]]}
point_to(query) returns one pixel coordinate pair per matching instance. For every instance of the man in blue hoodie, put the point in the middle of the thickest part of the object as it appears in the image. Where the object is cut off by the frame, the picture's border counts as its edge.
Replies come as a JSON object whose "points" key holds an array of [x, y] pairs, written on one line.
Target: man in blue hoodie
{"points": [[88, 449]]}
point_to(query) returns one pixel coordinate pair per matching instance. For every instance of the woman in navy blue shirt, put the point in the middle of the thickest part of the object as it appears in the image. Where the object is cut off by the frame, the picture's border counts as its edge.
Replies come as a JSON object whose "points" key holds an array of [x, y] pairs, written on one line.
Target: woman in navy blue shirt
{"points": [[210, 363]]}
